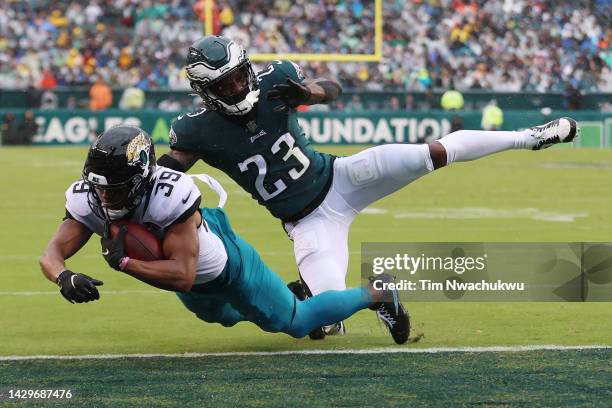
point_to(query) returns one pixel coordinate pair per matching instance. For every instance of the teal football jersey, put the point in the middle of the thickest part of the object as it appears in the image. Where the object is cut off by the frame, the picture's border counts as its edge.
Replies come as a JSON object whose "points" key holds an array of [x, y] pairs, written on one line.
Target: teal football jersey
{"points": [[270, 158]]}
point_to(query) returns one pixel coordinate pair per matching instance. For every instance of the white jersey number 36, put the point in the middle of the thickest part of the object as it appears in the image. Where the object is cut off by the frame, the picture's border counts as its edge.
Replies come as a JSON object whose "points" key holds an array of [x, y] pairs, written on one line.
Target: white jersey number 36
{"points": [[262, 168]]}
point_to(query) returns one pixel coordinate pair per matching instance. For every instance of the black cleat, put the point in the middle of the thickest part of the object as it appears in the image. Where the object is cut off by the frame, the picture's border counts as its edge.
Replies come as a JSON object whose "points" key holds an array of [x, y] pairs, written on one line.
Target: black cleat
{"points": [[298, 289], [391, 311]]}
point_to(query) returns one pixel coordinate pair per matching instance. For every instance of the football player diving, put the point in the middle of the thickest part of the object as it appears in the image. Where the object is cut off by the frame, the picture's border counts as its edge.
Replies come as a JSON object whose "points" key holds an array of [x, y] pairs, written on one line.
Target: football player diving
{"points": [[249, 129], [216, 274]]}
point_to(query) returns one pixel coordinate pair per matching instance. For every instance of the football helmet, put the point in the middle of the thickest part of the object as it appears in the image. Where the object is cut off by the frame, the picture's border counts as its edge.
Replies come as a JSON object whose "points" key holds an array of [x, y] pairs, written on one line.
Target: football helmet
{"points": [[220, 72], [119, 170]]}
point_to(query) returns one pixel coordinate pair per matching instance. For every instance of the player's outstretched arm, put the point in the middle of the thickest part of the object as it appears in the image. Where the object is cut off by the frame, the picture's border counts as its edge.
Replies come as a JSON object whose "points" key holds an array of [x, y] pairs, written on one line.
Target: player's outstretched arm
{"points": [[179, 160], [181, 249], [293, 94], [68, 240], [322, 90]]}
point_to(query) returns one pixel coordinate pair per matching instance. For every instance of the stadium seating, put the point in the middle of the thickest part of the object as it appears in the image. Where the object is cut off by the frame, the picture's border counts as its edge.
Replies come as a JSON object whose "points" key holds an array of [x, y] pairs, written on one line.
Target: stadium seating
{"points": [[542, 46]]}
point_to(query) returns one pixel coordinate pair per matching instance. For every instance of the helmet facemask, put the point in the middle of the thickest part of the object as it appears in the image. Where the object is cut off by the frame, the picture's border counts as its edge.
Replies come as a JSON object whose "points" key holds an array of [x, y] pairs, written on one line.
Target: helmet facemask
{"points": [[119, 173], [231, 88], [115, 201]]}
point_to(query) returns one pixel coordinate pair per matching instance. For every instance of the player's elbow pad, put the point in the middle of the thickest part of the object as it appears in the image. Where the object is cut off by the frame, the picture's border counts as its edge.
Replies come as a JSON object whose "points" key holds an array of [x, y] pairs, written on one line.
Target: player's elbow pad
{"points": [[171, 163]]}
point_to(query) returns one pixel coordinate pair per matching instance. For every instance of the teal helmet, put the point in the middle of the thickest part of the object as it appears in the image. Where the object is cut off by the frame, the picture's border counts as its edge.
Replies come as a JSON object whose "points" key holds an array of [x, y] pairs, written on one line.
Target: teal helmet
{"points": [[220, 72]]}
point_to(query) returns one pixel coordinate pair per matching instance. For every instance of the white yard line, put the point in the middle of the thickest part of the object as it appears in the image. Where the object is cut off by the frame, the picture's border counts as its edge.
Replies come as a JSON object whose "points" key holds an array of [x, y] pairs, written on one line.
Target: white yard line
{"points": [[434, 350], [470, 213], [104, 292]]}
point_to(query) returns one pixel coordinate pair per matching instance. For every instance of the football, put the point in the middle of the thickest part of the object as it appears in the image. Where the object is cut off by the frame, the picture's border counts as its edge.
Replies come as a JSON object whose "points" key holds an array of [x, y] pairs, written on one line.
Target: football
{"points": [[139, 243]]}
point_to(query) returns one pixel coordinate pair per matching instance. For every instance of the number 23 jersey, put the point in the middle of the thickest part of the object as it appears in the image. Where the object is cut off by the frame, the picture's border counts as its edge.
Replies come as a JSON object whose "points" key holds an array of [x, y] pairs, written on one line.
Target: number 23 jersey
{"points": [[269, 157]]}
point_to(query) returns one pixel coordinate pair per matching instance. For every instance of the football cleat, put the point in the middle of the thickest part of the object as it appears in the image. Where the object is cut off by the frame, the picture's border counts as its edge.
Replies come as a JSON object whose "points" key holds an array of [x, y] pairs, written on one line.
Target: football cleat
{"points": [[299, 290], [391, 311], [337, 329], [562, 130]]}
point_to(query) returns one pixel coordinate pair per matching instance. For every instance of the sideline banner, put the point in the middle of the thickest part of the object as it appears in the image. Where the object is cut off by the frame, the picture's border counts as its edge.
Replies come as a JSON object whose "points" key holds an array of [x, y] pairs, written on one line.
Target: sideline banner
{"points": [[336, 128]]}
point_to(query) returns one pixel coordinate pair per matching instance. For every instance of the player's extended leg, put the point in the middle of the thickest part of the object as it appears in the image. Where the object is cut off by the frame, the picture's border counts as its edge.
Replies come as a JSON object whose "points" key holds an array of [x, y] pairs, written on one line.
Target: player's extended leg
{"points": [[374, 173], [264, 299], [320, 244], [320, 239], [211, 307], [466, 145]]}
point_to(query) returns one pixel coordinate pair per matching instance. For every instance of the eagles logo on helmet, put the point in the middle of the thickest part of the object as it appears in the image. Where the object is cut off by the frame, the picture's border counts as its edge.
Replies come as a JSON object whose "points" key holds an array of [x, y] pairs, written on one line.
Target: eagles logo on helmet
{"points": [[220, 72]]}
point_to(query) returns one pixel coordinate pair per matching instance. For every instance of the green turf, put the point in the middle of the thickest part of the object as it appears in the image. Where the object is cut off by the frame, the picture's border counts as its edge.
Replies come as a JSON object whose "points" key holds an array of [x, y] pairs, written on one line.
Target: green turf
{"points": [[557, 181], [536, 378], [572, 183]]}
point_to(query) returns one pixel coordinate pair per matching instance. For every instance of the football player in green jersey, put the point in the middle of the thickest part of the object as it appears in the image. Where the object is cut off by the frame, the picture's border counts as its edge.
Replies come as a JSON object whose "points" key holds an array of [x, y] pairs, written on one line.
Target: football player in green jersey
{"points": [[249, 130]]}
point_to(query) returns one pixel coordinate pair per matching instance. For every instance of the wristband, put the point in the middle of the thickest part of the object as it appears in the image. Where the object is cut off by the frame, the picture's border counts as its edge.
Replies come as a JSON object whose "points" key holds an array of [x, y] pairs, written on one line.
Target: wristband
{"points": [[59, 277], [124, 262]]}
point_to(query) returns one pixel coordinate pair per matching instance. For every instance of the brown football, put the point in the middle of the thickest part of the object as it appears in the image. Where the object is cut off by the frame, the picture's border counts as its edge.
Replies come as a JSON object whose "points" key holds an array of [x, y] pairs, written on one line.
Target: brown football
{"points": [[139, 243]]}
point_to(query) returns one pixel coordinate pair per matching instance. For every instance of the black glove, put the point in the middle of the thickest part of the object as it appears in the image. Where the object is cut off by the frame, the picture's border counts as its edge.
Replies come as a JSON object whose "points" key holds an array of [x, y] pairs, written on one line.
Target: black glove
{"points": [[112, 249], [78, 287], [292, 95]]}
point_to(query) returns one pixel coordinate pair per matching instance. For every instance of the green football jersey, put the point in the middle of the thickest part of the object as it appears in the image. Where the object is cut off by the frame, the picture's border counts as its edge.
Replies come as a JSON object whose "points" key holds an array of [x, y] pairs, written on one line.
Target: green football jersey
{"points": [[269, 157]]}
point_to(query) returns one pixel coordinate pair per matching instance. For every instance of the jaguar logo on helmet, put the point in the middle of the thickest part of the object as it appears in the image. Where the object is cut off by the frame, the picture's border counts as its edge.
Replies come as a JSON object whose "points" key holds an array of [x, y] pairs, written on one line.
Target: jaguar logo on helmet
{"points": [[172, 139], [137, 152]]}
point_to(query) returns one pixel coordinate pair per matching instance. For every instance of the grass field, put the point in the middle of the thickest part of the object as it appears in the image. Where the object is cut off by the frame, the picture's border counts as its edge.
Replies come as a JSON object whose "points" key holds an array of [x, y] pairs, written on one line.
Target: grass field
{"points": [[554, 195]]}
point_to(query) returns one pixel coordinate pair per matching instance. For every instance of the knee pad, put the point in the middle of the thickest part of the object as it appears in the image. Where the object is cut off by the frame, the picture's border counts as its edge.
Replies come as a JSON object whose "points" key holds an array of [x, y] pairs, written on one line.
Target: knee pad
{"points": [[306, 243], [363, 170]]}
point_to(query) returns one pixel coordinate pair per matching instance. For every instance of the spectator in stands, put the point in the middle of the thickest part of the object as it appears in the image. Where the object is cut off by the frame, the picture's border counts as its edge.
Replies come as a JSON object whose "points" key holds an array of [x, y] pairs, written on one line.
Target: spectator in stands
{"points": [[9, 130], [409, 102], [354, 104], [32, 97], [169, 104], [28, 128], [452, 100], [100, 95], [394, 104], [573, 97], [48, 80], [49, 100], [492, 117], [456, 124], [536, 45], [132, 98], [71, 102]]}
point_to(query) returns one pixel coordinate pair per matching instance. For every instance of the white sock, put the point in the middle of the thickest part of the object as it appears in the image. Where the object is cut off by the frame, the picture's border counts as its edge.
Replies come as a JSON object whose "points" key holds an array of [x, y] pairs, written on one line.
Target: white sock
{"points": [[465, 145]]}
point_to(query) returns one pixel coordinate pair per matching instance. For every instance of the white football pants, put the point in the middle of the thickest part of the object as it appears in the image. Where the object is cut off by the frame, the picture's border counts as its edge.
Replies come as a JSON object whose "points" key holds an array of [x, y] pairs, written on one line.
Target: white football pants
{"points": [[321, 238]]}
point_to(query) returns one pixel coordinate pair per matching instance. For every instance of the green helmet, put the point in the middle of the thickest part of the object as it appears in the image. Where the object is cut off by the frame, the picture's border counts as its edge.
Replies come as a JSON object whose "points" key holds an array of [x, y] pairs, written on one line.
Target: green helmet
{"points": [[220, 72]]}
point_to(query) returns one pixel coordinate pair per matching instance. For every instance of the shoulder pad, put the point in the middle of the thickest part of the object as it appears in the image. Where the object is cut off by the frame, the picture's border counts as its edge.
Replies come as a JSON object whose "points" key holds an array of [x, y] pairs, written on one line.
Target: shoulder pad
{"points": [[173, 194], [78, 207], [282, 69], [185, 128]]}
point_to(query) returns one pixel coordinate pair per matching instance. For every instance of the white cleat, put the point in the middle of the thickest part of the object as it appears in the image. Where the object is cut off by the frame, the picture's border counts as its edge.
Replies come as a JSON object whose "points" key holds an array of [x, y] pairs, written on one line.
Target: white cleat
{"points": [[337, 329], [562, 130]]}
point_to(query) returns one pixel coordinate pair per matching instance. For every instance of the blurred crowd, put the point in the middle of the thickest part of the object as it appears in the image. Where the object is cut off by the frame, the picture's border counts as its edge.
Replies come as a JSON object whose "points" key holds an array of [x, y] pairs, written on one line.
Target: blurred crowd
{"points": [[501, 45]]}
